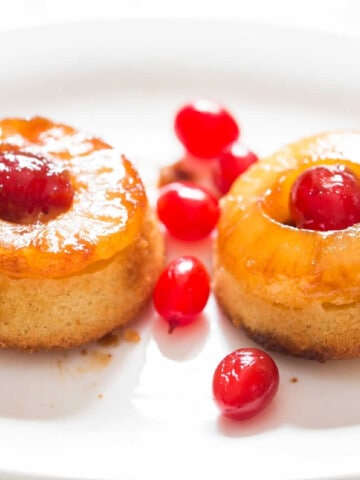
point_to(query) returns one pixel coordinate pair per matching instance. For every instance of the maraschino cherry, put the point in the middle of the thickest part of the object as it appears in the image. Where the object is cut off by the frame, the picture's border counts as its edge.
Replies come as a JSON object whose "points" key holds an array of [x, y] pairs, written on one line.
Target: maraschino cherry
{"points": [[245, 382], [205, 128], [31, 184], [182, 291], [325, 197], [188, 211], [231, 163]]}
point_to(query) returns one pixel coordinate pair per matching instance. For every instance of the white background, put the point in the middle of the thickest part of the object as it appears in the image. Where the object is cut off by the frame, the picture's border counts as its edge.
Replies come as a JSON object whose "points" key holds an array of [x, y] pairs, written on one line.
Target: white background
{"points": [[341, 16]]}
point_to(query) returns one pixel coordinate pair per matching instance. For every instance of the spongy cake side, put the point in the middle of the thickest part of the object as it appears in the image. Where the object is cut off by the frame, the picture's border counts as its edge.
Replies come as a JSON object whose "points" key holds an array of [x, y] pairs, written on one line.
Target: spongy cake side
{"points": [[66, 312]]}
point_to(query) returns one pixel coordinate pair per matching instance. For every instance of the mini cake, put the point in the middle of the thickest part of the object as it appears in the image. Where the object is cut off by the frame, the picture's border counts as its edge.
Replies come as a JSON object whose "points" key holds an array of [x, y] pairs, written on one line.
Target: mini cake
{"points": [[80, 249], [292, 290]]}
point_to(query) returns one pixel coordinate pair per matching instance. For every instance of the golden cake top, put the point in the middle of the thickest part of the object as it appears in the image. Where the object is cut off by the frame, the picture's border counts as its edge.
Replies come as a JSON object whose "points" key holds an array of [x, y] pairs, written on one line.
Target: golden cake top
{"points": [[276, 260], [105, 215]]}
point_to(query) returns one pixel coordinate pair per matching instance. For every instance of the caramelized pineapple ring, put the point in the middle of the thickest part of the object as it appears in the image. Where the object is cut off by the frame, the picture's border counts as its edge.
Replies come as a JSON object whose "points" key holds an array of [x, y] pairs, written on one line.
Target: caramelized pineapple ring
{"points": [[106, 214], [275, 261]]}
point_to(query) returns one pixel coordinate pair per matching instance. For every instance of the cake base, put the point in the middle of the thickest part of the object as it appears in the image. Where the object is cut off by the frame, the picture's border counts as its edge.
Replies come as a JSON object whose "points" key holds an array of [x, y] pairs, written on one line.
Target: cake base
{"points": [[74, 310], [319, 331]]}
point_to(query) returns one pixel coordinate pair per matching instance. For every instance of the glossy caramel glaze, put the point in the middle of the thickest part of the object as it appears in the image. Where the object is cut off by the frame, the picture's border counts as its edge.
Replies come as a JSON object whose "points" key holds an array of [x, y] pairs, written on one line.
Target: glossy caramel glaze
{"points": [[107, 211], [276, 261]]}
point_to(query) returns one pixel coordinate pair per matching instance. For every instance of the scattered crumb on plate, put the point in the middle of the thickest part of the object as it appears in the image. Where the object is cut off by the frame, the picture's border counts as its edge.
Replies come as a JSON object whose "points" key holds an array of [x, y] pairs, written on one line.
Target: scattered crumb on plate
{"points": [[131, 335]]}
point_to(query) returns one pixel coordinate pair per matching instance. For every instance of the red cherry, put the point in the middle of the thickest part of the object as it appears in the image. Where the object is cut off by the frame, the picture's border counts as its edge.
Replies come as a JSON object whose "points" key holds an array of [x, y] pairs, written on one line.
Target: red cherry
{"points": [[231, 163], [205, 128], [187, 210], [31, 184], [325, 197], [245, 382], [182, 291]]}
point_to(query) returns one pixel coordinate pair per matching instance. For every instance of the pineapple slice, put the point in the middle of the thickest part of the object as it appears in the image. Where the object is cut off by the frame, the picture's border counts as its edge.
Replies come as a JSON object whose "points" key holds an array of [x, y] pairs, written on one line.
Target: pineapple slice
{"points": [[106, 214], [274, 260]]}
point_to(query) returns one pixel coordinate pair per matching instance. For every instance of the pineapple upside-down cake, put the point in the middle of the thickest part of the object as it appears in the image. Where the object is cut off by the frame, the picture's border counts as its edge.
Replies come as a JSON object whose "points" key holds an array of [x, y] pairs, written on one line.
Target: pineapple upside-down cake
{"points": [[80, 250], [293, 289]]}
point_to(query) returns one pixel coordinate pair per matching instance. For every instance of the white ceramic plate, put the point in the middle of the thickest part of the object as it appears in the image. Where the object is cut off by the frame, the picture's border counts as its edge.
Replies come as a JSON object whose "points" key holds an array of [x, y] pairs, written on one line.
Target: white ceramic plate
{"points": [[148, 411]]}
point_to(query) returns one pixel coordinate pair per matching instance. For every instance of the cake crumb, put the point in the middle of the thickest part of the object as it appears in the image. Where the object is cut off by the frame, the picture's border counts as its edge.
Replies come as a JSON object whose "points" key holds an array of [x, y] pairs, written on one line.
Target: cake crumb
{"points": [[95, 361], [175, 172], [294, 379], [131, 335], [100, 396]]}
